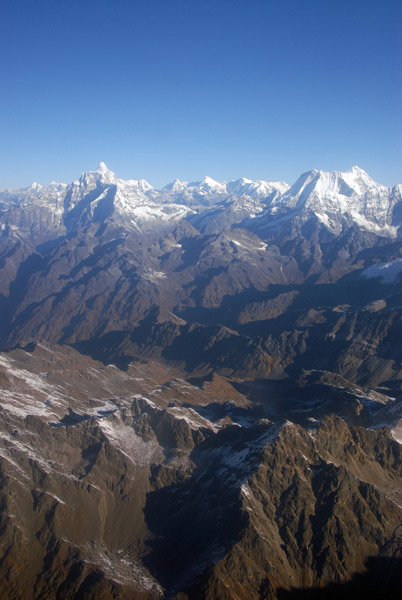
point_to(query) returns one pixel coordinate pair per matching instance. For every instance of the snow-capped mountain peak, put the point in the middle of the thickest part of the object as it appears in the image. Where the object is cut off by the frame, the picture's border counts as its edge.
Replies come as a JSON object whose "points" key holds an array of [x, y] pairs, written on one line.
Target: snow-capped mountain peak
{"points": [[102, 168], [90, 179], [139, 185], [144, 185], [359, 180], [255, 189], [326, 185], [176, 186], [105, 174], [337, 198], [35, 186], [208, 184]]}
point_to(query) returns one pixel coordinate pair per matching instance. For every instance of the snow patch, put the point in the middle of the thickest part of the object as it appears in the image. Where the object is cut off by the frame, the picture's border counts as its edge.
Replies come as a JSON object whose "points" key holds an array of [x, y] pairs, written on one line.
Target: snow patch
{"points": [[124, 438], [389, 272]]}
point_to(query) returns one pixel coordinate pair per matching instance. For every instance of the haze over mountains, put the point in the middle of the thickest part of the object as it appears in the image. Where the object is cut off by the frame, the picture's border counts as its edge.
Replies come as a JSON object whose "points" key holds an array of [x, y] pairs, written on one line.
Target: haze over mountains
{"points": [[201, 388]]}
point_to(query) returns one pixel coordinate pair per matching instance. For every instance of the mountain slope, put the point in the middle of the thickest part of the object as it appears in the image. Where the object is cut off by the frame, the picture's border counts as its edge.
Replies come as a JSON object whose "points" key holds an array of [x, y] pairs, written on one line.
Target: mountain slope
{"points": [[200, 389], [143, 485], [77, 249]]}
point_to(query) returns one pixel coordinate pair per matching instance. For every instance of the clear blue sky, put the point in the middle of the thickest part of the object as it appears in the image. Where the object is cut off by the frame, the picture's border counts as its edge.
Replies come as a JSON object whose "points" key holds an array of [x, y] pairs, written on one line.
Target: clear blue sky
{"points": [[160, 89]]}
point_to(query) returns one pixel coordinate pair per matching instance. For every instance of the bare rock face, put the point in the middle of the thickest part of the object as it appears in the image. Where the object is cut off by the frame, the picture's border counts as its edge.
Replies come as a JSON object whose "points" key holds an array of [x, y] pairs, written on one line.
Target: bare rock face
{"points": [[148, 496], [269, 309], [200, 389], [276, 279], [310, 519]]}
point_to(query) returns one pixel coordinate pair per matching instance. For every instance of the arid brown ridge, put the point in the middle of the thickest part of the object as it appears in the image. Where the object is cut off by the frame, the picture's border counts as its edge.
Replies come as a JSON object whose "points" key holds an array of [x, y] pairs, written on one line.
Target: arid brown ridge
{"points": [[200, 390]]}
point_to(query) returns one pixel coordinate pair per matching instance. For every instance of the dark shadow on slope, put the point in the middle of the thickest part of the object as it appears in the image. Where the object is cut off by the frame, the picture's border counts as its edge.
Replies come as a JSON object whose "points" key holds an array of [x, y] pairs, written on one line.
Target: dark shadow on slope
{"points": [[48, 247], [192, 248], [197, 520], [212, 345], [303, 402], [105, 349], [392, 387], [36, 263], [122, 347], [6, 311], [73, 418], [350, 289], [18, 289], [231, 306], [381, 252], [92, 264], [105, 207], [200, 282], [80, 210], [381, 580], [19, 286], [390, 347], [276, 399]]}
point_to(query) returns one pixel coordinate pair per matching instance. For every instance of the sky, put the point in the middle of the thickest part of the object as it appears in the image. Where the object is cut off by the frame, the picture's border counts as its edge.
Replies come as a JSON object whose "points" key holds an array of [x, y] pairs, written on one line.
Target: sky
{"points": [[166, 89]]}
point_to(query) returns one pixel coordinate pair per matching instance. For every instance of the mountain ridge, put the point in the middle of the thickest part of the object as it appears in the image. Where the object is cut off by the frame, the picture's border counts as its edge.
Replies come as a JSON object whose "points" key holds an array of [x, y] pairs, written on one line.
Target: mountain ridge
{"points": [[200, 388], [339, 201], [102, 170]]}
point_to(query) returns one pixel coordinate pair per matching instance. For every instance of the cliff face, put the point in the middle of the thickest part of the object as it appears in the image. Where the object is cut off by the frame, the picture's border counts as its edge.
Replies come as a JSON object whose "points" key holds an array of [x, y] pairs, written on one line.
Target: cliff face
{"points": [[141, 484], [254, 278], [200, 389]]}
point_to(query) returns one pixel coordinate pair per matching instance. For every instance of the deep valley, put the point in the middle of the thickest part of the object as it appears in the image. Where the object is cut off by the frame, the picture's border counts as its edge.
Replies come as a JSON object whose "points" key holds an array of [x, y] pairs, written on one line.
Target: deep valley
{"points": [[200, 389]]}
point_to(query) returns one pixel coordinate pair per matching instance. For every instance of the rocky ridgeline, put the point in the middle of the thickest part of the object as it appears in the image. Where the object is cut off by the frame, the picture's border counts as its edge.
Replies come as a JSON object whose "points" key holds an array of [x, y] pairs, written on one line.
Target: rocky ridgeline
{"points": [[200, 389], [107, 492], [102, 265]]}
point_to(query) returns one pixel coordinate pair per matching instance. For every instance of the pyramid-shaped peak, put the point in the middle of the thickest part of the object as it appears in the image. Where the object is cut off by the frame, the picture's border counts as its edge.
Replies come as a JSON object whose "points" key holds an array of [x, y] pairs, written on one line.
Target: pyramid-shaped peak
{"points": [[360, 180], [209, 183], [101, 174], [104, 174], [356, 170], [176, 185], [35, 186], [353, 181], [102, 168], [208, 180]]}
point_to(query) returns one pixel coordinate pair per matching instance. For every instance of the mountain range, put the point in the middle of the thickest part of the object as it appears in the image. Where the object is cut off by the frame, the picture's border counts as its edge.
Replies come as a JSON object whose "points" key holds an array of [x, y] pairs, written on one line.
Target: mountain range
{"points": [[200, 389]]}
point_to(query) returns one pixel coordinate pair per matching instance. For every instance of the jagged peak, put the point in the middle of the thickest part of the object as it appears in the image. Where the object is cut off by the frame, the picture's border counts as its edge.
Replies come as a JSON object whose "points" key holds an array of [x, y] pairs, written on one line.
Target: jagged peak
{"points": [[356, 169], [34, 187], [102, 168], [241, 181], [105, 174], [207, 180], [176, 185], [144, 185], [359, 179], [210, 184], [347, 183], [102, 173]]}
